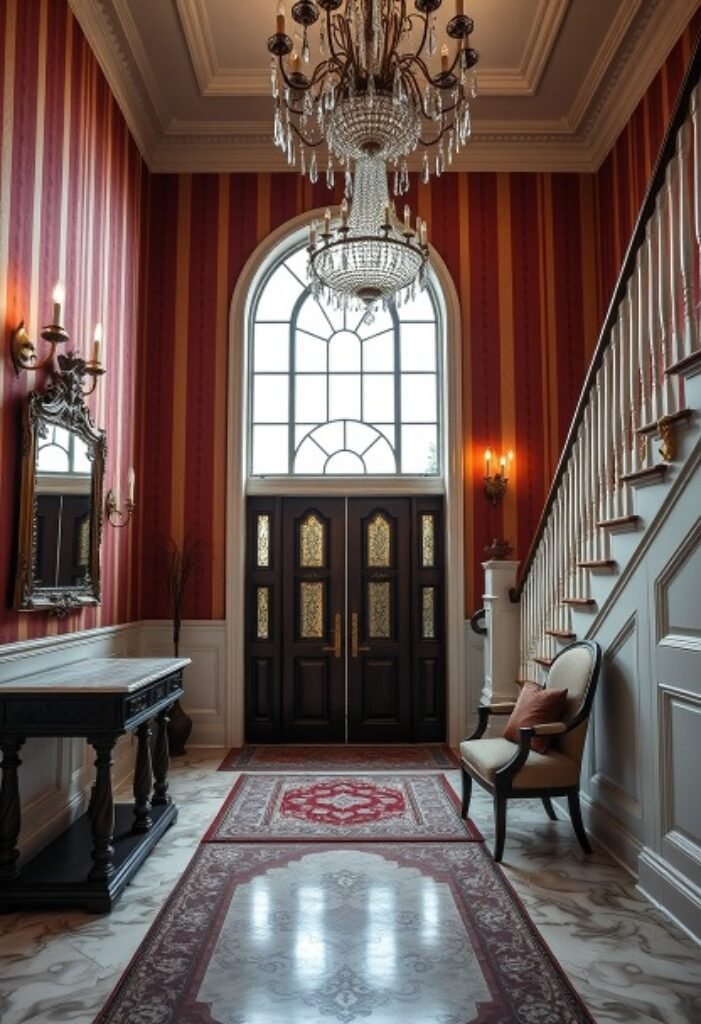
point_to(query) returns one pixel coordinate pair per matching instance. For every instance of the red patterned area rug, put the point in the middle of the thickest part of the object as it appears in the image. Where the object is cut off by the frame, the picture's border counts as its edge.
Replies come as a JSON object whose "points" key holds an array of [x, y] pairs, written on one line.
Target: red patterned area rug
{"points": [[368, 808], [343, 757], [343, 934]]}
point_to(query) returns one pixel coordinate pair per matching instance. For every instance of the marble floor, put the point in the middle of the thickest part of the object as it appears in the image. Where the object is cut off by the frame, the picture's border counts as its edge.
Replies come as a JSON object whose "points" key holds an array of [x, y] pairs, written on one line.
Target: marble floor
{"points": [[627, 960]]}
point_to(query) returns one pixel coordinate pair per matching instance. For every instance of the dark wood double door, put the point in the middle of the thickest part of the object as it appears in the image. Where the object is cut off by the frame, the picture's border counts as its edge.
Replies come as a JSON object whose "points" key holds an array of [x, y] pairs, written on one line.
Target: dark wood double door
{"points": [[345, 620]]}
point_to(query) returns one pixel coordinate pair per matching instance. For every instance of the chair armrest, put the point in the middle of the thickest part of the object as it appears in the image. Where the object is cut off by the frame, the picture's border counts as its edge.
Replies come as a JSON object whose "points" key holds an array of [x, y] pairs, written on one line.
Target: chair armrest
{"points": [[485, 710], [502, 708], [549, 729]]}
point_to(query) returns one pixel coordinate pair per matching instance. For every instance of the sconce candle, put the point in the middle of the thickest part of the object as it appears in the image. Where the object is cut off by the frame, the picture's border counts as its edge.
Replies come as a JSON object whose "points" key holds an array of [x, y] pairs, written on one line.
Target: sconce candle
{"points": [[495, 483], [59, 297], [97, 344], [131, 480]]}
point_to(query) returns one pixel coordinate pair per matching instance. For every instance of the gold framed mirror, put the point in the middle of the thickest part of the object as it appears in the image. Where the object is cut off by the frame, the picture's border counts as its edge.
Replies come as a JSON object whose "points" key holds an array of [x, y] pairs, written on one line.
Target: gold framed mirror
{"points": [[60, 526]]}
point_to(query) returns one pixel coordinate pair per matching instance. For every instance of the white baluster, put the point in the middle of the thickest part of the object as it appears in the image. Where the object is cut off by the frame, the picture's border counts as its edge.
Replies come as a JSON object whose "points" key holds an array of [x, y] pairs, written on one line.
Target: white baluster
{"points": [[613, 360], [685, 316], [663, 299], [610, 415], [651, 265], [696, 185], [674, 329], [631, 377], [643, 328]]}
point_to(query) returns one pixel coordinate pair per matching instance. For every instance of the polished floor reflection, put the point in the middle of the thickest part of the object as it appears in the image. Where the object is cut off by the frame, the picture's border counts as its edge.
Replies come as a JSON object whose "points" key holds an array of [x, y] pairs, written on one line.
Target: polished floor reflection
{"points": [[626, 960]]}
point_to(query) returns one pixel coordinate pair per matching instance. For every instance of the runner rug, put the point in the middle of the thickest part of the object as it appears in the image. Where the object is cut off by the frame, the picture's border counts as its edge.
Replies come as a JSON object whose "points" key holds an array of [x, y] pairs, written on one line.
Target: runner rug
{"points": [[411, 933], [368, 808], [269, 758]]}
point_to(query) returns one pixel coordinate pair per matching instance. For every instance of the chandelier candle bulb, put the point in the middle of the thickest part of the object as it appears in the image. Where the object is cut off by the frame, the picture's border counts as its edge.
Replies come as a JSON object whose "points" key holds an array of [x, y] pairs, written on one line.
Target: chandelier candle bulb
{"points": [[344, 213], [295, 62], [424, 233], [459, 8], [327, 221], [387, 214], [445, 58], [407, 218], [312, 234], [58, 296], [280, 19]]}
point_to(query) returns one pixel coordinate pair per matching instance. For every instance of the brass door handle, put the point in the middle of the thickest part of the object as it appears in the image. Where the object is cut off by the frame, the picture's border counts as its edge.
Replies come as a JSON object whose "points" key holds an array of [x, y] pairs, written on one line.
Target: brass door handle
{"points": [[355, 648], [337, 638]]}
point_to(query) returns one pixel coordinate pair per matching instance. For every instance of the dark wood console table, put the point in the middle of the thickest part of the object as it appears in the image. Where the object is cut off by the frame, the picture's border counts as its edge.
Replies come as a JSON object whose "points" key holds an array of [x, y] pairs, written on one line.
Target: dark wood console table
{"points": [[89, 864]]}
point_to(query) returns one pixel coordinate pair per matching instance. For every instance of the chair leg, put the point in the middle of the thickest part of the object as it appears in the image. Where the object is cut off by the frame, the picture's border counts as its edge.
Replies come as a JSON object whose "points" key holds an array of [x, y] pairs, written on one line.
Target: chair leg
{"points": [[466, 792], [576, 816], [548, 805], [499, 825]]}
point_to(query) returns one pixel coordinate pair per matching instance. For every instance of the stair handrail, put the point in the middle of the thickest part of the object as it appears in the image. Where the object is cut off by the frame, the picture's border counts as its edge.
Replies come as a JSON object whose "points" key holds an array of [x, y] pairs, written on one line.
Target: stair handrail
{"points": [[657, 181]]}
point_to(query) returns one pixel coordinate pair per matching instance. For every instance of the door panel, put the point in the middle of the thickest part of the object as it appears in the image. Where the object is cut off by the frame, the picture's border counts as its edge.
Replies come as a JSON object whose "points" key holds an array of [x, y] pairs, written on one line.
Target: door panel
{"points": [[345, 607], [313, 670], [379, 686]]}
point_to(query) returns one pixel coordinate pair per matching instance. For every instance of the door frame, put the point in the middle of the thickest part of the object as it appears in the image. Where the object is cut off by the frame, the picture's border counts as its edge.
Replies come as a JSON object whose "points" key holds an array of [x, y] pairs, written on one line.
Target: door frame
{"points": [[452, 483]]}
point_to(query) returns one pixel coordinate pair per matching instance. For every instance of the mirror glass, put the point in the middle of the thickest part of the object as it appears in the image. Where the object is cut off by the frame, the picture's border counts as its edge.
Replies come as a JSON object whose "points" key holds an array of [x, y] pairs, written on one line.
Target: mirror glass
{"points": [[61, 502]]}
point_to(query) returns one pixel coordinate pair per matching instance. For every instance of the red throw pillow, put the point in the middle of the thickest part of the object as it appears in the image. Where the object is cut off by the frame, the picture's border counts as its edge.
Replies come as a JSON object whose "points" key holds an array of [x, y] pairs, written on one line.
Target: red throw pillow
{"points": [[535, 706]]}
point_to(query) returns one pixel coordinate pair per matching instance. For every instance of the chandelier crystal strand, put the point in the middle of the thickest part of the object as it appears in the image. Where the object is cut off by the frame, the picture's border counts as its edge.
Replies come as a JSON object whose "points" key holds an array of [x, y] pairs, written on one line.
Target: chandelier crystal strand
{"points": [[368, 258]]}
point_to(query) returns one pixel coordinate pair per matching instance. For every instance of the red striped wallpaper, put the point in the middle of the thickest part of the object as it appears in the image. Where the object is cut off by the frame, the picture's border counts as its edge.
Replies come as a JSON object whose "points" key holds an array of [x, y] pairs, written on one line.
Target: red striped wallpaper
{"points": [[534, 258], [70, 208]]}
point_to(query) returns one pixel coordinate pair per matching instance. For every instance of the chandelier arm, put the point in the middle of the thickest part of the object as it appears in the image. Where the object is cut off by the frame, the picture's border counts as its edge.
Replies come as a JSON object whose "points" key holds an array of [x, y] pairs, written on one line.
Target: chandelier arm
{"points": [[331, 28], [432, 142], [424, 35], [303, 138]]}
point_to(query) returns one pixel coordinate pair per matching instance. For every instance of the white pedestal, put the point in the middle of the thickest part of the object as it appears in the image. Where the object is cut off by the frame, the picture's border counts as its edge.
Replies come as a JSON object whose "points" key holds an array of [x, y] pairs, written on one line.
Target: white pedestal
{"points": [[503, 618]]}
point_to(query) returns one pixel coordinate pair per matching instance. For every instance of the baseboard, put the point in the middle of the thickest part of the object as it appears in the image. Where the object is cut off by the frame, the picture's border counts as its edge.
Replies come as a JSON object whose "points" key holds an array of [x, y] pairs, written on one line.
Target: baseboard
{"points": [[669, 890], [610, 834]]}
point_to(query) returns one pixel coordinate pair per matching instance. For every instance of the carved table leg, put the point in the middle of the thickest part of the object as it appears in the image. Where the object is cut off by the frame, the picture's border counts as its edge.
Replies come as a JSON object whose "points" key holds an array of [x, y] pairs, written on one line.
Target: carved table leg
{"points": [[10, 813], [102, 810], [143, 780], [161, 759]]}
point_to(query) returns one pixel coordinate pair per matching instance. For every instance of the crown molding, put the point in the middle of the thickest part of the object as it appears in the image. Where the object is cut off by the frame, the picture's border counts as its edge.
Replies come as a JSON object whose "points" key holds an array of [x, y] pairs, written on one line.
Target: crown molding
{"points": [[199, 39], [124, 81], [643, 54], [541, 42]]}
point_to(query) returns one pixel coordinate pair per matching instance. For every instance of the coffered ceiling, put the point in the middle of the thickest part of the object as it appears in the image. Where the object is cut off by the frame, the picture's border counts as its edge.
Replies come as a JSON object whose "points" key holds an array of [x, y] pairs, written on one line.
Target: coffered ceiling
{"points": [[558, 79]]}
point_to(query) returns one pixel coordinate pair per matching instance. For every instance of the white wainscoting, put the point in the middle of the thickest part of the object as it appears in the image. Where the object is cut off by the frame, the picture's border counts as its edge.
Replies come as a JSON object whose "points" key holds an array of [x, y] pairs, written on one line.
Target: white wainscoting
{"points": [[56, 774], [641, 789], [205, 680]]}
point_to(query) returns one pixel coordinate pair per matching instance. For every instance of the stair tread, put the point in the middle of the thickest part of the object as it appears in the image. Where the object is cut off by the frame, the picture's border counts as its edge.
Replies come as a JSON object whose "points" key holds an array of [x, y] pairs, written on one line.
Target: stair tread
{"points": [[561, 634], [580, 602], [673, 417], [641, 475], [619, 521], [687, 363], [598, 563]]}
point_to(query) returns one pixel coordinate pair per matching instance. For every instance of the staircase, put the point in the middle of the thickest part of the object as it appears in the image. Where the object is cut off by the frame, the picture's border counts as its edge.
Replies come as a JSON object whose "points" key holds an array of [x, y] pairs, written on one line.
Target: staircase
{"points": [[637, 422], [617, 554]]}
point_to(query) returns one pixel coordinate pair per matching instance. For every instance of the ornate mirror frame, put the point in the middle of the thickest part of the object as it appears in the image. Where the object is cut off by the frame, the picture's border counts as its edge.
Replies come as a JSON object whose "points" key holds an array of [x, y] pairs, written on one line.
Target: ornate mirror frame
{"points": [[62, 405]]}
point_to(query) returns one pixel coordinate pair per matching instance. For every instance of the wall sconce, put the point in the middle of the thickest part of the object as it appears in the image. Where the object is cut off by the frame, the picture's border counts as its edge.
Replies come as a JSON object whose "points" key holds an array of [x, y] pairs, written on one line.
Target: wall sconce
{"points": [[495, 483], [116, 516], [24, 353]]}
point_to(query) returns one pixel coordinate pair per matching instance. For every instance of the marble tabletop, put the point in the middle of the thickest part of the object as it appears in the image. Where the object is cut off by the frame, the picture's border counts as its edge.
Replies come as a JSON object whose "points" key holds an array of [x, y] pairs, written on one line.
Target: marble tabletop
{"points": [[104, 675]]}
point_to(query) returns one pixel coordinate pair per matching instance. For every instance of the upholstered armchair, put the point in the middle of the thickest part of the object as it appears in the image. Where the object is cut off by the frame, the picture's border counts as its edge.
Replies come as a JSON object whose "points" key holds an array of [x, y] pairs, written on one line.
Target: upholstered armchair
{"points": [[511, 768]]}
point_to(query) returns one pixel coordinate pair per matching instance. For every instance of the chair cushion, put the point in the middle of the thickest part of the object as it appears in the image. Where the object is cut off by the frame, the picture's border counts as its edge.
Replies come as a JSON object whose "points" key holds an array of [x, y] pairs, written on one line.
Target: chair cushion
{"points": [[535, 706], [541, 771]]}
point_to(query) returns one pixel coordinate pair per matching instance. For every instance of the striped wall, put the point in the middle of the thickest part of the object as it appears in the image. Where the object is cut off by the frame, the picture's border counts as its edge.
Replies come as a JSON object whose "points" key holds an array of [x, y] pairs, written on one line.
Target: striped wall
{"points": [[70, 208], [623, 177], [521, 252], [534, 258]]}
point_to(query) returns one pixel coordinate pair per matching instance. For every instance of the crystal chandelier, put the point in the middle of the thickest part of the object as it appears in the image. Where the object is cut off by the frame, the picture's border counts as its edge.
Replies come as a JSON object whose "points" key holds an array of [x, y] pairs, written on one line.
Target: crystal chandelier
{"points": [[371, 101], [373, 91], [370, 257]]}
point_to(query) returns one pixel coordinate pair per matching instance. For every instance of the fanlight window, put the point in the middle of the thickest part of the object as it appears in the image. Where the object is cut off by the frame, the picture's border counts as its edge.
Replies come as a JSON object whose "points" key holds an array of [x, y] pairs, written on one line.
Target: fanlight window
{"points": [[62, 451], [335, 394]]}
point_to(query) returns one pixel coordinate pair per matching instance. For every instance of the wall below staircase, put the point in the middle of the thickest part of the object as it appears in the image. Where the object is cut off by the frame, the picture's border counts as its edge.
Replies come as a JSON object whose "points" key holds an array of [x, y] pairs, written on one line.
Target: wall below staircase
{"points": [[640, 784]]}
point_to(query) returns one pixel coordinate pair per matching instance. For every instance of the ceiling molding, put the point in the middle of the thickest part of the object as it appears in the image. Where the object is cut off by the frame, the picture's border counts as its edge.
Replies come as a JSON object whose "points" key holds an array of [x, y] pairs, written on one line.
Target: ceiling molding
{"points": [[194, 21], [637, 43], [215, 80]]}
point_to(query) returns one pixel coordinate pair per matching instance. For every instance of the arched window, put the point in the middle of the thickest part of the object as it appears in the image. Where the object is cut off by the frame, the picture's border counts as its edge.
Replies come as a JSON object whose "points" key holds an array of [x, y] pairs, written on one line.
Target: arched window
{"points": [[334, 393]]}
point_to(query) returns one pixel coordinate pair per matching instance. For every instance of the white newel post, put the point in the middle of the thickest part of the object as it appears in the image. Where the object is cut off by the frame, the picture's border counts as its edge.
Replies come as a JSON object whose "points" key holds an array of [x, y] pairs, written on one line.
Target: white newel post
{"points": [[501, 649]]}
